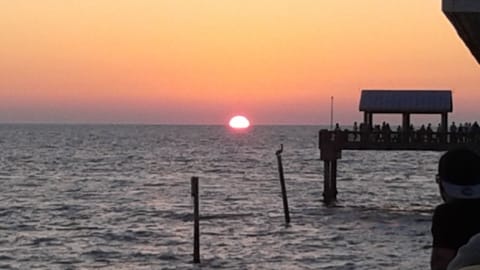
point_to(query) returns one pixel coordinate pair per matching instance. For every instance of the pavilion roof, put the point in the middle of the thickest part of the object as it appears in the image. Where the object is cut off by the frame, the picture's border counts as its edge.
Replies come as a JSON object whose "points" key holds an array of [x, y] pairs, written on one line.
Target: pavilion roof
{"points": [[406, 101]]}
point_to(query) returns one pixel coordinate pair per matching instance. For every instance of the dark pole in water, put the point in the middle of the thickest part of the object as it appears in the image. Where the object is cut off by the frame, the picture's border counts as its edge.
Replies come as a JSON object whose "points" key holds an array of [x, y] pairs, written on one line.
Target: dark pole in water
{"points": [[282, 184], [331, 113], [327, 182], [333, 175], [196, 223]]}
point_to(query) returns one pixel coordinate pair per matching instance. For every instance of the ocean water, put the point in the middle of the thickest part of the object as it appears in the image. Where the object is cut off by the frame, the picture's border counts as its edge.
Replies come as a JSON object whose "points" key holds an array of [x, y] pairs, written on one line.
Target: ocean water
{"points": [[118, 197]]}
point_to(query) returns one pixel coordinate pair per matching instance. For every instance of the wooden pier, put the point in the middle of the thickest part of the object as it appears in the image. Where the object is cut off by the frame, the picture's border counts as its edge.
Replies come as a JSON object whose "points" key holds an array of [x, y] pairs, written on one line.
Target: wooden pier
{"points": [[370, 137], [331, 144]]}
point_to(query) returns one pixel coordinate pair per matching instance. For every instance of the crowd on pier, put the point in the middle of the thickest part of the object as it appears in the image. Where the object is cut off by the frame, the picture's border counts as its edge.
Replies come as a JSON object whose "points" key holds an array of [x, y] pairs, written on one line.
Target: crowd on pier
{"points": [[463, 133]]}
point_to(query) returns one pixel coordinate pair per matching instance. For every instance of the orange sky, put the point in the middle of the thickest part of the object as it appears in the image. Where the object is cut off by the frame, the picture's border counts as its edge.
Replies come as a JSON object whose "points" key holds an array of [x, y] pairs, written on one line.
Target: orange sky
{"points": [[202, 61]]}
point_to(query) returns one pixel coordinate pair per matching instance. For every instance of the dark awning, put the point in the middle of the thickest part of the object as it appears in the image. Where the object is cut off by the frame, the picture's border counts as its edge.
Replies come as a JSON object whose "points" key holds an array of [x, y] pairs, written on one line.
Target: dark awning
{"points": [[465, 17], [406, 101]]}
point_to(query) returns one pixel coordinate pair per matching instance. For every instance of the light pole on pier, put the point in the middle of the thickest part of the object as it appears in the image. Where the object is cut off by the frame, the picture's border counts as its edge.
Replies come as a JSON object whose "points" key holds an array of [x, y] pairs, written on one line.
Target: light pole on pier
{"points": [[331, 112]]}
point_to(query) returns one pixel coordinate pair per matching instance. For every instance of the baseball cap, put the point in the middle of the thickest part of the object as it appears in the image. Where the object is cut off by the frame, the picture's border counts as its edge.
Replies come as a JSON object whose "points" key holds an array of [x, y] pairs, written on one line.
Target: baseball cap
{"points": [[459, 173]]}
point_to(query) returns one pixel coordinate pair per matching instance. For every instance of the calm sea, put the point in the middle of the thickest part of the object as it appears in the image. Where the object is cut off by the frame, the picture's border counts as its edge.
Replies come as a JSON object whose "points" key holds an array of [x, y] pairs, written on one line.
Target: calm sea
{"points": [[118, 197]]}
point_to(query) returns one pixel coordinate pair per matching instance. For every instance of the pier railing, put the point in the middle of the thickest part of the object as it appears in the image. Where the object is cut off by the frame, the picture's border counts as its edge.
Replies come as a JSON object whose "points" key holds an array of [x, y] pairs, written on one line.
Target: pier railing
{"points": [[378, 140]]}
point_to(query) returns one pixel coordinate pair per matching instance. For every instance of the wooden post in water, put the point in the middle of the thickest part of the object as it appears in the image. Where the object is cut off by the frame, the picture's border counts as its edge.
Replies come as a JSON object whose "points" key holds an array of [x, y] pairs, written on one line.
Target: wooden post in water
{"points": [[196, 221], [329, 153], [334, 178], [327, 182], [282, 184]]}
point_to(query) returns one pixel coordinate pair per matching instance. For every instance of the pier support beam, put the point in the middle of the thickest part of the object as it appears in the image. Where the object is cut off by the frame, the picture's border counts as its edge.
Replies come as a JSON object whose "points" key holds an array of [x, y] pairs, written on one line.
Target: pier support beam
{"points": [[368, 120], [406, 127], [444, 128], [329, 181], [330, 152]]}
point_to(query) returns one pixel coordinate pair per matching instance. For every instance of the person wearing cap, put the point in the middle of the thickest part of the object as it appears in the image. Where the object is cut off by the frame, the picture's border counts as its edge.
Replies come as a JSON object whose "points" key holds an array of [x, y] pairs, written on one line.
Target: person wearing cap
{"points": [[457, 219]]}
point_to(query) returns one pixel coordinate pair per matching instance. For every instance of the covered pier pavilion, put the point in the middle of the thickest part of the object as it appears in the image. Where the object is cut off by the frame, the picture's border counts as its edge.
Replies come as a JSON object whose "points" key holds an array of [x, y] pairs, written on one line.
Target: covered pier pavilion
{"points": [[406, 103]]}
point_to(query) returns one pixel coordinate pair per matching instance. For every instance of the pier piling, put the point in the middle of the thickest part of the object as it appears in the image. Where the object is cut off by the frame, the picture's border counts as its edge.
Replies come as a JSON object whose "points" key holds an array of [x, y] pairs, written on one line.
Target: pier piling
{"points": [[329, 181], [330, 153], [196, 220], [282, 184]]}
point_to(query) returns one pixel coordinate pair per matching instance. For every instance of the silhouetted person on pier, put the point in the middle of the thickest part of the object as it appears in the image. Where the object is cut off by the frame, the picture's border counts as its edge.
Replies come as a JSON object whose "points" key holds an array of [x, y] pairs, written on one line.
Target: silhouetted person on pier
{"points": [[453, 133], [376, 133], [421, 134], [355, 131], [475, 131], [461, 133], [364, 130], [429, 133], [398, 136], [457, 219], [439, 132], [411, 133], [386, 131]]}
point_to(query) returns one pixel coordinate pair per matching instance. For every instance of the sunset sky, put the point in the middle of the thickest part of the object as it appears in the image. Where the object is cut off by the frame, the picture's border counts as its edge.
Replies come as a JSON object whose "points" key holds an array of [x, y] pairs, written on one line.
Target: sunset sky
{"points": [[203, 61]]}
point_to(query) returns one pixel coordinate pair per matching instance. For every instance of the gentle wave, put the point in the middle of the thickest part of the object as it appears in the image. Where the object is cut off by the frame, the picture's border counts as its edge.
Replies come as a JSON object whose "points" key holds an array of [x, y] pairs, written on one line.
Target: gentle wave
{"points": [[118, 197]]}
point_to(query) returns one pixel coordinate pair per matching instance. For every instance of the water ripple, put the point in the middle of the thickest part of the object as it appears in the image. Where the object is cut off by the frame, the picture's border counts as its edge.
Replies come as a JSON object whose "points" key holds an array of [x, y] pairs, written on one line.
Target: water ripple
{"points": [[118, 197]]}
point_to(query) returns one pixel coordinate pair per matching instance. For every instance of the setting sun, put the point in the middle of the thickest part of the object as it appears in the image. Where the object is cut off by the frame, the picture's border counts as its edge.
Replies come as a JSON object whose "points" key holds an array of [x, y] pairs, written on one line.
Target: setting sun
{"points": [[239, 121]]}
